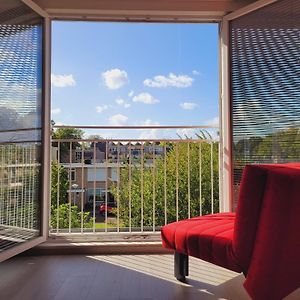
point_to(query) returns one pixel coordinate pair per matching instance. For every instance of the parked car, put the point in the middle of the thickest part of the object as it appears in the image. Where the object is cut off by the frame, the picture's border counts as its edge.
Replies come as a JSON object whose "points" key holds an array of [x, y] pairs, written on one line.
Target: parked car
{"points": [[107, 207]]}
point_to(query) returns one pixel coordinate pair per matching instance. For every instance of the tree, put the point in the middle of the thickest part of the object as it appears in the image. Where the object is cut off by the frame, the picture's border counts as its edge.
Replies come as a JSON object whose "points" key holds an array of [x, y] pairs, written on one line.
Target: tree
{"points": [[95, 137], [69, 134], [63, 213], [157, 185], [60, 183], [281, 146]]}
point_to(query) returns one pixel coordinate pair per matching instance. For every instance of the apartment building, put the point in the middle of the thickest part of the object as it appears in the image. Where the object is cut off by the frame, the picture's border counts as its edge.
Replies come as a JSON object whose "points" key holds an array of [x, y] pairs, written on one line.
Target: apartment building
{"points": [[87, 180]]}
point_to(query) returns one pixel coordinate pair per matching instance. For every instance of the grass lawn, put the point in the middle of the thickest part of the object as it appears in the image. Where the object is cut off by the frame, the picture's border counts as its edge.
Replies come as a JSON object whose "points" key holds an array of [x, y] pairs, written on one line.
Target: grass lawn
{"points": [[102, 225]]}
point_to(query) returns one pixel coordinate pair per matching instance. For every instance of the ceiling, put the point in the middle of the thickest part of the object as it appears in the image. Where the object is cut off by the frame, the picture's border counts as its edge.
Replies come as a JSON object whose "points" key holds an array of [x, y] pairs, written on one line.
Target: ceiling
{"points": [[16, 12], [141, 10]]}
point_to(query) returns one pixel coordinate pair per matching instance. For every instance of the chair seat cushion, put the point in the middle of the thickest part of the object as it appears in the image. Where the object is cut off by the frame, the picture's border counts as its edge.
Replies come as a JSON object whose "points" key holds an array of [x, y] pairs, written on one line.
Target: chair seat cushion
{"points": [[212, 234]]}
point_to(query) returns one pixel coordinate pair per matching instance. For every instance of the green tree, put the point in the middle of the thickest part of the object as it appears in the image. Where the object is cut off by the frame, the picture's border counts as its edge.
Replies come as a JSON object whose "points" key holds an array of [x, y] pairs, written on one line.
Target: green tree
{"points": [[67, 133], [152, 178], [59, 182], [280, 146], [63, 214]]}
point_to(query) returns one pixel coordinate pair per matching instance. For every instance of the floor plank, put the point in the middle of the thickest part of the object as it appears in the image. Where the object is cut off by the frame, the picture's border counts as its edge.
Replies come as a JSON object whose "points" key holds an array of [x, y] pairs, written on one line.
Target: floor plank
{"points": [[121, 277]]}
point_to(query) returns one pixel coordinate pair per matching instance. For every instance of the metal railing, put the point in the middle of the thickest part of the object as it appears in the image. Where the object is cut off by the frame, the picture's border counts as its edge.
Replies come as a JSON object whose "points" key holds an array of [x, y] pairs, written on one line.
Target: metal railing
{"points": [[19, 193], [133, 185]]}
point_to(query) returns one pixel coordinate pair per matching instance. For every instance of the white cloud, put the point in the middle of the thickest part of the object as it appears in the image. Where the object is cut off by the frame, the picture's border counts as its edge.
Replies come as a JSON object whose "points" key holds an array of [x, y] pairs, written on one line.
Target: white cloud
{"points": [[100, 109], [131, 93], [161, 81], [149, 122], [62, 80], [118, 119], [115, 78], [188, 105], [55, 111], [122, 102], [145, 98], [214, 122], [149, 134], [195, 72]]}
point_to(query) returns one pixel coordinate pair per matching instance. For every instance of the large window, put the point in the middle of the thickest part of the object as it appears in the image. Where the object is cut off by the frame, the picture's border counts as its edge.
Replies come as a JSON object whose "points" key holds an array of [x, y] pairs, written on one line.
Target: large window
{"points": [[265, 82]]}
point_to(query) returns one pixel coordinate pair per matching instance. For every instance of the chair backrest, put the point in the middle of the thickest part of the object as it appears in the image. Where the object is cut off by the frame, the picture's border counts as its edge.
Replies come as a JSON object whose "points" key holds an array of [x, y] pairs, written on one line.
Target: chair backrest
{"points": [[248, 211]]}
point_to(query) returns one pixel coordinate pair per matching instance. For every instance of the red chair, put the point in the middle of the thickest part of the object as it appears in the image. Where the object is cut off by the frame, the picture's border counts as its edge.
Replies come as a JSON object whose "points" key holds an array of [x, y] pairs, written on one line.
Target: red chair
{"points": [[254, 239]]}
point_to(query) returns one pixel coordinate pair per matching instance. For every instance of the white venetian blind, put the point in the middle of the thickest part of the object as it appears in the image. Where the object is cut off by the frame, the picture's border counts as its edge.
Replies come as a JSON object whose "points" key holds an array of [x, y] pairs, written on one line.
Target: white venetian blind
{"points": [[265, 86]]}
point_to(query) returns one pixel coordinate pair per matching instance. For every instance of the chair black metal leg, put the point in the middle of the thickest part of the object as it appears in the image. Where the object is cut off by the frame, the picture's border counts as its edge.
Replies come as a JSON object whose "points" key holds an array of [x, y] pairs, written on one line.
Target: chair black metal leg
{"points": [[181, 266]]}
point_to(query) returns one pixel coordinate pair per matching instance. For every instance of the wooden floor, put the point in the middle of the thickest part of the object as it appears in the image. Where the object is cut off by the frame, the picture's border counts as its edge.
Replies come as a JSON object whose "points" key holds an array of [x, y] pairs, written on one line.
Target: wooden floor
{"points": [[123, 277]]}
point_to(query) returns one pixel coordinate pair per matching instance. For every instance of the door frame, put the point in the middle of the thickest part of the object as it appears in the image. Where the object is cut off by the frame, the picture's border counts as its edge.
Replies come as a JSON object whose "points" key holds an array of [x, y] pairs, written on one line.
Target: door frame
{"points": [[225, 165], [226, 168]]}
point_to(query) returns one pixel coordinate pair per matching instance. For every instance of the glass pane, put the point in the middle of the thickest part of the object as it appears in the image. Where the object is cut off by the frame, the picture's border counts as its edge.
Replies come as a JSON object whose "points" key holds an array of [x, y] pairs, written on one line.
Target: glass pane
{"points": [[266, 86], [20, 123]]}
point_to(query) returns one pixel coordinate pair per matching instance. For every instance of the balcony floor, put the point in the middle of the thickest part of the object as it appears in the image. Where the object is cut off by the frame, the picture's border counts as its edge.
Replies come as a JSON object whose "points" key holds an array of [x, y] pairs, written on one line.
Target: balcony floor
{"points": [[123, 277]]}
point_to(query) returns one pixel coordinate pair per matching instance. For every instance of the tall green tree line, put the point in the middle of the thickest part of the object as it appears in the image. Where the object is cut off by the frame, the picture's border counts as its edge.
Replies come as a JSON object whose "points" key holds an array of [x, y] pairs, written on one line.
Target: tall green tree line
{"points": [[158, 180]]}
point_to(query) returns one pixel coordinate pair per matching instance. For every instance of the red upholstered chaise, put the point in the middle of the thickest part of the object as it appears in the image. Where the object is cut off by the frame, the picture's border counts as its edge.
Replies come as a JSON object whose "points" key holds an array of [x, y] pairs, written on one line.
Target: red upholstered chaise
{"points": [[261, 240]]}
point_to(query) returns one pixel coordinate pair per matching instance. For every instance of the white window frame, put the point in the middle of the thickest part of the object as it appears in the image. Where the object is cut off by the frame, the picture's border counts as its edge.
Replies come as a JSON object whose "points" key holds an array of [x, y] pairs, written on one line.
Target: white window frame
{"points": [[46, 157]]}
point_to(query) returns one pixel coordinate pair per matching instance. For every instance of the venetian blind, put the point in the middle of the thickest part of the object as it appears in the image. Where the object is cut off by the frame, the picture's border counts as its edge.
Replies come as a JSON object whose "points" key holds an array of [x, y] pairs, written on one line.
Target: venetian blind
{"points": [[265, 86], [20, 123]]}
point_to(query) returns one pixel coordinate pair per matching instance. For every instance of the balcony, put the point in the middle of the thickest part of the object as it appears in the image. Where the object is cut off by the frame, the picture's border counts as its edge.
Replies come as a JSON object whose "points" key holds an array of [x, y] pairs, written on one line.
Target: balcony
{"points": [[97, 172], [131, 186]]}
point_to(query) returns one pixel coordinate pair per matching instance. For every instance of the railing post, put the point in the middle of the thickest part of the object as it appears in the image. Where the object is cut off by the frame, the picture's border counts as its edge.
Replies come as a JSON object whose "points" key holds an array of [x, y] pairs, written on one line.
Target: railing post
{"points": [[70, 188], [189, 179], [82, 189], [212, 175], [200, 177], [165, 183], [177, 187], [58, 188], [153, 186]]}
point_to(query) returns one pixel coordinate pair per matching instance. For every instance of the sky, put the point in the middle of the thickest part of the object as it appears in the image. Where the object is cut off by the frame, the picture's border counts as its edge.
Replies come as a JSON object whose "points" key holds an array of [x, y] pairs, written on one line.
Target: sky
{"points": [[134, 74]]}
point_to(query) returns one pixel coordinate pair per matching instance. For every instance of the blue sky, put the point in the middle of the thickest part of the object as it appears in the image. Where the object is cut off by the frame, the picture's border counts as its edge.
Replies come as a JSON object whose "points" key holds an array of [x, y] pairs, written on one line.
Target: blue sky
{"points": [[134, 74]]}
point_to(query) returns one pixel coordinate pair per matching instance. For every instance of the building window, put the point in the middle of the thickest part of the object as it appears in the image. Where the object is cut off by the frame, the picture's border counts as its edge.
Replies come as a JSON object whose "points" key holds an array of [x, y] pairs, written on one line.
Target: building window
{"points": [[72, 174], [78, 155], [96, 175]]}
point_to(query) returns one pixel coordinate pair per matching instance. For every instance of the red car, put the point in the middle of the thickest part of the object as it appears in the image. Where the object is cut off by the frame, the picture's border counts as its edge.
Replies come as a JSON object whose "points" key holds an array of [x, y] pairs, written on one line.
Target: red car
{"points": [[106, 207]]}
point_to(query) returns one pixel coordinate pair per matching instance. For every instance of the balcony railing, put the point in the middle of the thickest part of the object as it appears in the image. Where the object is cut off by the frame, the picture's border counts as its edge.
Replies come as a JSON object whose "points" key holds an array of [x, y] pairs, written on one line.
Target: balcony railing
{"points": [[133, 185], [19, 191]]}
